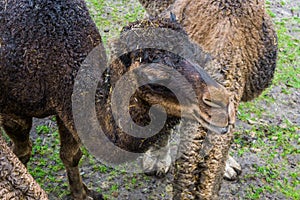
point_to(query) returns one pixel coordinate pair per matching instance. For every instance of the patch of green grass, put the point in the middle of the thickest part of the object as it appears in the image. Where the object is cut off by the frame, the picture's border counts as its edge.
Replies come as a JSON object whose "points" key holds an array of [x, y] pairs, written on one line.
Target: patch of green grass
{"points": [[275, 144], [114, 187], [273, 15], [288, 71], [43, 129], [53, 118], [106, 197], [254, 192], [133, 181], [270, 174], [45, 163], [111, 16], [282, 3], [101, 168]]}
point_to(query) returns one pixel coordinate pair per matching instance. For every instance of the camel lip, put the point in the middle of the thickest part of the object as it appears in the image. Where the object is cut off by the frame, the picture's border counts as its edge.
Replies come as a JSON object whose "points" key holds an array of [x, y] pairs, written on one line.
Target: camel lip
{"points": [[192, 112], [216, 129]]}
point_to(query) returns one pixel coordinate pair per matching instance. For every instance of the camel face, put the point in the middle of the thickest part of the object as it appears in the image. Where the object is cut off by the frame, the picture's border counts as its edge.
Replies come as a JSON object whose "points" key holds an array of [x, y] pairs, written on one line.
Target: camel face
{"points": [[212, 106]]}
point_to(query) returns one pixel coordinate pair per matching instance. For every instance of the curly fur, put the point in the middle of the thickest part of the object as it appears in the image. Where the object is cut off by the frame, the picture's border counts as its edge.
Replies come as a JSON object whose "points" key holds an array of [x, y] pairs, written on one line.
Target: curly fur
{"points": [[151, 94], [15, 181], [243, 43], [239, 35], [42, 45]]}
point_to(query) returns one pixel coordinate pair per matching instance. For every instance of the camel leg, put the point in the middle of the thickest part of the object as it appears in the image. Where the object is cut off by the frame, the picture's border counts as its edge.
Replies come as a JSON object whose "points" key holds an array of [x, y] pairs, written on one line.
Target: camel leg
{"points": [[158, 163], [18, 129], [70, 155], [211, 178]]}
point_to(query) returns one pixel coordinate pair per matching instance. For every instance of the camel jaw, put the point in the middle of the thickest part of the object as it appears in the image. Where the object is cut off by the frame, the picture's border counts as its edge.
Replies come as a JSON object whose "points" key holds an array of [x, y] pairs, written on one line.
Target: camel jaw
{"points": [[214, 128], [221, 121]]}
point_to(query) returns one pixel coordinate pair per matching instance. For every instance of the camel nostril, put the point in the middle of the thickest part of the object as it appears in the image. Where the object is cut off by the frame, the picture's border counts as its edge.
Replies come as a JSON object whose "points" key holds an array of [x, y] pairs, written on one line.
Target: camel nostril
{"points": [[225, 130], [211, 103]]}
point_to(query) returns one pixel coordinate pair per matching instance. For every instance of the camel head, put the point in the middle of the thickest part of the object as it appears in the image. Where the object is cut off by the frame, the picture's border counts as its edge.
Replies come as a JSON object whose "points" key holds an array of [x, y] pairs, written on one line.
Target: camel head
{"points": [[173, 78]]}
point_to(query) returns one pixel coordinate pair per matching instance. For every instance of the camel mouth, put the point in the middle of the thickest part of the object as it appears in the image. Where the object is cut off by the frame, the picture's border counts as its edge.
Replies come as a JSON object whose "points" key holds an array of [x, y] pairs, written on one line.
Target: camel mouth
{"points": [[210, 126], [222, 123], [213, 128], [191, 111]]}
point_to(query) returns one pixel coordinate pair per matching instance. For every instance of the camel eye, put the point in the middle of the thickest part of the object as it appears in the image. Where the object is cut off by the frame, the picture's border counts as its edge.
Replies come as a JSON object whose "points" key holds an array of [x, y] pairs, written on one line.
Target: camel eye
{"points": [[211, 103]]}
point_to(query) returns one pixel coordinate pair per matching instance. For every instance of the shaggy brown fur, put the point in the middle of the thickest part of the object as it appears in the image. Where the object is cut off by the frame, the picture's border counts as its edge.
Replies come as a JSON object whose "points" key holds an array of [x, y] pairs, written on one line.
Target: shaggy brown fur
{"points": [[15, 181], [240, 37], [245, 31], [42, 45], [42, 48], [191, 140], [243, 43], [151, 94]]}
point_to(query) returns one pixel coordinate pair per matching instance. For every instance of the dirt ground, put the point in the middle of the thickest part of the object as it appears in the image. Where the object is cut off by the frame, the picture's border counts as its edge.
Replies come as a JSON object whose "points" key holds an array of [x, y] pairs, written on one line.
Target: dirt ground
{"points": [[116, 184]]}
